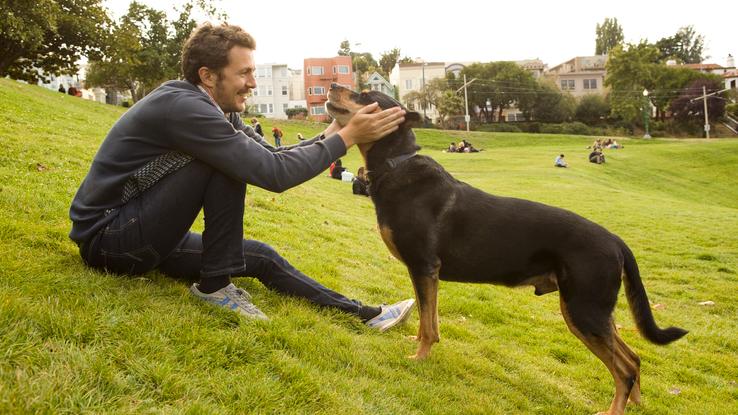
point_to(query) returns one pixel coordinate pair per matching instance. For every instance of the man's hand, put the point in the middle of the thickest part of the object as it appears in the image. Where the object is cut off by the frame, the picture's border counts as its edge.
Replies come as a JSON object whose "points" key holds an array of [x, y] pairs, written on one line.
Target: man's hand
{"points": [[370, 124]]}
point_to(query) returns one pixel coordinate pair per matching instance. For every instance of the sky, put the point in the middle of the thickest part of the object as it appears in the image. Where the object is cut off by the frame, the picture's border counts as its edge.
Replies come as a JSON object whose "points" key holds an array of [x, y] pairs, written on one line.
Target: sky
{"points": [[462, 30]]}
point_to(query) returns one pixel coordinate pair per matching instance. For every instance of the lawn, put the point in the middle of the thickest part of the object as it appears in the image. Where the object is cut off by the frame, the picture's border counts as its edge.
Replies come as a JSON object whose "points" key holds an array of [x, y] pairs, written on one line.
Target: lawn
{"points": [[73, 340]]}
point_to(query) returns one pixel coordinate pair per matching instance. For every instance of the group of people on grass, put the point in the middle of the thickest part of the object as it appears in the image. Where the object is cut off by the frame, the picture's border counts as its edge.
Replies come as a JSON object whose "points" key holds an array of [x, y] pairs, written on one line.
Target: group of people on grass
{"points": [[596, 156], [360, 182], [462, 147]]}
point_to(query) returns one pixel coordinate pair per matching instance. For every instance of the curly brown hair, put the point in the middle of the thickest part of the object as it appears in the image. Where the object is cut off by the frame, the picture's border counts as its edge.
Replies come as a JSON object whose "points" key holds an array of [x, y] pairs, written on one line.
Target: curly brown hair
{"points": [[209, 45]]}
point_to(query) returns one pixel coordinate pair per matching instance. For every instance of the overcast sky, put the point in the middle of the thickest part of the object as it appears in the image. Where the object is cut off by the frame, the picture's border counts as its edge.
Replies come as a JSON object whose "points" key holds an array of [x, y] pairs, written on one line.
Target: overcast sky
{"points": [[462, 30]]}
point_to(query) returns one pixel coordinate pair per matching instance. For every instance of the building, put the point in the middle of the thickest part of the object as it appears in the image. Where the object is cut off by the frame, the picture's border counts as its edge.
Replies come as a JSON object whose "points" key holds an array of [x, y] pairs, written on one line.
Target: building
{"points": [[581, 75], [410, 77], [297, 89], [271, 96], [376, 82], [319, 74]]}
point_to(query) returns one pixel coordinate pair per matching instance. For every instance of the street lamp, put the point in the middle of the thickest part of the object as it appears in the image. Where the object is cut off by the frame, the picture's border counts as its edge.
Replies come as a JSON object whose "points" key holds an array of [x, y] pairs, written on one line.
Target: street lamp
{"points": [[425, 96], [645, 113]]}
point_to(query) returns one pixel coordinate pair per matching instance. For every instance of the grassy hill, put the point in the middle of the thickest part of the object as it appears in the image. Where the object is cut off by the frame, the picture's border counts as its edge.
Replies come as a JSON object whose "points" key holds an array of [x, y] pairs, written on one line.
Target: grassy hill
{"points": [[74, 340]]}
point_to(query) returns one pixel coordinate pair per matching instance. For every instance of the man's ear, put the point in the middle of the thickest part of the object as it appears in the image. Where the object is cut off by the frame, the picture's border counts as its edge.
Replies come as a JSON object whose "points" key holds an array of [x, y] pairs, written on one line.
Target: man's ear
{"points": [[412, 119], [207, 77]]}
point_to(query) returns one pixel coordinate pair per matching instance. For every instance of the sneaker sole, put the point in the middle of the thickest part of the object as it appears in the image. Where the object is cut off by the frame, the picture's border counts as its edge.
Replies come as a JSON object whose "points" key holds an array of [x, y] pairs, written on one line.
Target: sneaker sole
{"points": [[398, 320]]}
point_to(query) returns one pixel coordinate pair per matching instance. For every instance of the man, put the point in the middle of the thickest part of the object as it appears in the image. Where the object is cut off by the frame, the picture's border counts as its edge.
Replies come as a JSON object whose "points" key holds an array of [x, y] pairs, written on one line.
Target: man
{"points": [[559, 162], [184, 147]]}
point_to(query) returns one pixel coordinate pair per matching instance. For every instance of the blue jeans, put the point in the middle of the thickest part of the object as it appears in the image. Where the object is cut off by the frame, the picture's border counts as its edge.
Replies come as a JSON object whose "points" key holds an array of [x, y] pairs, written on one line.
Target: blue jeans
{"points": [[151, 232]]}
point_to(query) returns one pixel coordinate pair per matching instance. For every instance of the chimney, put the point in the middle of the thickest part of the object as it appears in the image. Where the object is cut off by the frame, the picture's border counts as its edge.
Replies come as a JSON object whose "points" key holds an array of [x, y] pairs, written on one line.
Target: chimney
{"points": [[730, 61]]}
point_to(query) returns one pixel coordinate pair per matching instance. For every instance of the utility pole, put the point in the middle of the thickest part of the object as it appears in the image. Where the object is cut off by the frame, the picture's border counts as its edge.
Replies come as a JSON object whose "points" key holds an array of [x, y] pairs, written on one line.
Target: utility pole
{"points": [[707, 123], [704, 97], [467, 118]]}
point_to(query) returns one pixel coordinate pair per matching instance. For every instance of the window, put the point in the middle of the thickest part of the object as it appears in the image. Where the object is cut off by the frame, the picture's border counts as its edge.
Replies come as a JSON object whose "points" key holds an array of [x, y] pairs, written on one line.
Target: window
{"points": [[283, 72], [341, 69], [271, 108], [317, 110], [284, 89], [408, 84], [316, 90], [567, 84], [315, 70], [269, 90], [264, 72], [590, 84], [263, 108], [255, 91], [284, 107]]}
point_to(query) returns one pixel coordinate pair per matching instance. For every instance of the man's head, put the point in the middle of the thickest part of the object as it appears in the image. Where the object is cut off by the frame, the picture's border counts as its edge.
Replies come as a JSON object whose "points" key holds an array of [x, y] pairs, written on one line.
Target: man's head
{"points": [[220, 58]]}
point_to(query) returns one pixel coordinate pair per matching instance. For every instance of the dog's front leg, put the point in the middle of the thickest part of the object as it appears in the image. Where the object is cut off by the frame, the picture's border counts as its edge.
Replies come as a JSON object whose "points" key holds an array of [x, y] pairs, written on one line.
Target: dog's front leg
{"points": [[426, 292]]}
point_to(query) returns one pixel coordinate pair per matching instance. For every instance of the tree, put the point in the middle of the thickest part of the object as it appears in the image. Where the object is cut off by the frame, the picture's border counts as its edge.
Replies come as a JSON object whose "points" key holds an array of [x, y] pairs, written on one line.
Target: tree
{"points": [[498, 86], [345, 48], [669, 79], [144, 49], [428, 94], [686, 110], [609, 35], [685, 46], [449, 103], [631, 69], [42, 37], [552, 105], [592, 109], [388, 60]]}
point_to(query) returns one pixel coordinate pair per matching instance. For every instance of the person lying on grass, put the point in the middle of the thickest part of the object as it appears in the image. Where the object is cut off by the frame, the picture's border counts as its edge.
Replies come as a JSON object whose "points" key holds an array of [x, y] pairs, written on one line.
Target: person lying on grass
{"points": [[184, 148]]}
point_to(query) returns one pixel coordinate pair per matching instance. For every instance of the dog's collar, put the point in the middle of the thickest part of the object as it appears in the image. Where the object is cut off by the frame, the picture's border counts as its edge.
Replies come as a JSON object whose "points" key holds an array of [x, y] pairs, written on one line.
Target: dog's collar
{"points": [[395, 161]]}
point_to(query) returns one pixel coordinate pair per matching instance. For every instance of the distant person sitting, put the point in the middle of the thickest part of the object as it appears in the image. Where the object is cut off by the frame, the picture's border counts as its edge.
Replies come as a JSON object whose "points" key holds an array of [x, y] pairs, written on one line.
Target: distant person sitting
{"points": [[300, 137], [614, 144], [336, 169], [61, 89], [468, 147], [559, 162], [72, 91], [596, 156], [361, 183], [451, 148]]}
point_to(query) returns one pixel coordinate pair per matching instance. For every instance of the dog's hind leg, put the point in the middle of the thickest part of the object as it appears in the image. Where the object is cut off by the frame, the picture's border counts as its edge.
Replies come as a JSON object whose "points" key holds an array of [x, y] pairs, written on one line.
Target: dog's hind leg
{"points": [[426, 291], [598, 333]]}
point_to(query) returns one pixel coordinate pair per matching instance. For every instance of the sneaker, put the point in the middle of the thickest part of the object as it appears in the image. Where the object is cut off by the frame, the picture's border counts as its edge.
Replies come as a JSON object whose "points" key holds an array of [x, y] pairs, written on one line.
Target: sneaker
{"points": [[231, 298], [391, 315]]}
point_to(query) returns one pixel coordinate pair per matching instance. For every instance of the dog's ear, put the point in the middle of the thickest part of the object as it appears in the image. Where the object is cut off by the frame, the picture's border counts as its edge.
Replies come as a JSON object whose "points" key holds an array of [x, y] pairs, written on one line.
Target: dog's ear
{"points": [[412, 119]]}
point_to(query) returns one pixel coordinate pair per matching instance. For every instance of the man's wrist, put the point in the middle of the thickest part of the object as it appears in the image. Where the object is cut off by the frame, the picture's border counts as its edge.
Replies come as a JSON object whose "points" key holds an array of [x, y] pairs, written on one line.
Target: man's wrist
{"points": [[346, 136]]}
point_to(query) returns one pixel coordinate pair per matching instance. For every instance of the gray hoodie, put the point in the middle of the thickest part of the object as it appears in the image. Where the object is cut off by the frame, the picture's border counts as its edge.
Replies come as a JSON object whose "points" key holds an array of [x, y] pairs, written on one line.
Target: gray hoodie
{"points": [[178, 121]]}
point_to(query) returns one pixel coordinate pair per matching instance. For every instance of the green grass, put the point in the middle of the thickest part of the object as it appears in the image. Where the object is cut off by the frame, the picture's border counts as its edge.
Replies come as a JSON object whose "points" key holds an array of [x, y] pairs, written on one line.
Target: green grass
{"points": [[73, 340]]}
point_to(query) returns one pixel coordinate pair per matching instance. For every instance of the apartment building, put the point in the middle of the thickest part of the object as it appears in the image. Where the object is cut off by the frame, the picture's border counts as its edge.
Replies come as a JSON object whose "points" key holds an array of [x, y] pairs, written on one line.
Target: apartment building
{"points": [[581, 75], [271, 96], [409, 77], [319, 73]]}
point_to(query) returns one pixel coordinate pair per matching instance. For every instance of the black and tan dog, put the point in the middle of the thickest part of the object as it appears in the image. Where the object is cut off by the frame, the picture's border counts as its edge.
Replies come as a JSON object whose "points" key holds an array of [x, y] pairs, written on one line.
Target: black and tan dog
{"points": [[423, 214]]}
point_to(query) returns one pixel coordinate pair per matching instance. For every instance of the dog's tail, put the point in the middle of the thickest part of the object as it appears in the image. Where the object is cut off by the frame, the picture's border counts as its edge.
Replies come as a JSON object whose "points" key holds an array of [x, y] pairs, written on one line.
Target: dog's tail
{"points": [[639, 306]]}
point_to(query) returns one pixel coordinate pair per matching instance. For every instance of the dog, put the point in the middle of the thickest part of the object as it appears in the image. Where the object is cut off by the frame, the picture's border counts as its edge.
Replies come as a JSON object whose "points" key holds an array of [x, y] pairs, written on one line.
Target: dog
{"points": [[422, 214]]}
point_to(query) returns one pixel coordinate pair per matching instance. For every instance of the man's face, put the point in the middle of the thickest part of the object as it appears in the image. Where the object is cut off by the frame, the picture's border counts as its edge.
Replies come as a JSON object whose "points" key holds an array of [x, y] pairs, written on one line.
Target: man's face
{"points": [[236, 80]]}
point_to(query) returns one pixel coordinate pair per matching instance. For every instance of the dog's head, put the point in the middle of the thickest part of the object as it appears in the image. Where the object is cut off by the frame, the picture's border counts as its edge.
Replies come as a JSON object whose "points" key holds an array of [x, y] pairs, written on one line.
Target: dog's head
{"points": [[343, 103]]}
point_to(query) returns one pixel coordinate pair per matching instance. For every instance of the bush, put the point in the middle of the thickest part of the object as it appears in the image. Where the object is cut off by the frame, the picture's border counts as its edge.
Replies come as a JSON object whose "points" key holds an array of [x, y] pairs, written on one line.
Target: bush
{"points": [[575, 128], [499, 128], [297, 112], [592, 109], [552, 129]]}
